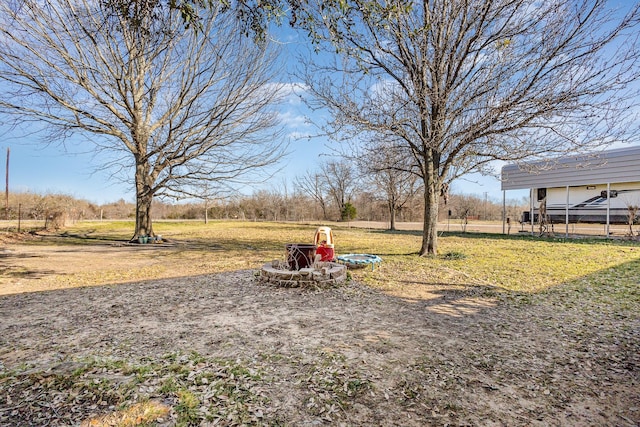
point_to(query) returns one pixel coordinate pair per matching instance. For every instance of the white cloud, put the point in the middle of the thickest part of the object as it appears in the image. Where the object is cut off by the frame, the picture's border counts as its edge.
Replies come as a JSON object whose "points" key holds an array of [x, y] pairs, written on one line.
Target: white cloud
{"points": [[295, 135], [289, 93], [293, 120]]}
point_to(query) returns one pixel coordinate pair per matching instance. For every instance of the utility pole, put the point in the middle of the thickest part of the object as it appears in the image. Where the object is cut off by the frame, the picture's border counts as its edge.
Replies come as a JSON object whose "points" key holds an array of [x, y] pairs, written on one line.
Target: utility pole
{"points": [[484, 214], [6, 201]]}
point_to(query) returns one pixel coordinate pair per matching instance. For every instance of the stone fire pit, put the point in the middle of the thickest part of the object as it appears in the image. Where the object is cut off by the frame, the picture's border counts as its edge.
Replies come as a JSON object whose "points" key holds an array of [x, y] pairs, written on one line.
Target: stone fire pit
{"points": [[319, 275]]}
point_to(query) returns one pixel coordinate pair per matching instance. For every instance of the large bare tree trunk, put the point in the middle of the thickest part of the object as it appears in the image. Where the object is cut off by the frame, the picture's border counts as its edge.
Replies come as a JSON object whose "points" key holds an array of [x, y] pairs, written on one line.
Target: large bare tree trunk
{"points": [[392, 216], [144, 198], [430, 223]]}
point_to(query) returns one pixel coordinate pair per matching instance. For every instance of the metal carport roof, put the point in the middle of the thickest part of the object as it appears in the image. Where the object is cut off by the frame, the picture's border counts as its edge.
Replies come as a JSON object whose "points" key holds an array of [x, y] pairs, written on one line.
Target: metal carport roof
{"points": [[611, 166]]}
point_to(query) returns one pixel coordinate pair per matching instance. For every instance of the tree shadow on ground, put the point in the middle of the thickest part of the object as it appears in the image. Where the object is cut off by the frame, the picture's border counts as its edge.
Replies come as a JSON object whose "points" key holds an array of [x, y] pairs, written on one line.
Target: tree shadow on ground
{"points": [[190, 243], [17, 273], [449, 299]]}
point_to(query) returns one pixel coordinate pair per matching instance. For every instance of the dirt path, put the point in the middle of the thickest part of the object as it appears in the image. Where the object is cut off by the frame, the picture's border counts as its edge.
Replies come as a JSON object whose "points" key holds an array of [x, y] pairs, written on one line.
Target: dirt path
{"points": [[346, 356]]}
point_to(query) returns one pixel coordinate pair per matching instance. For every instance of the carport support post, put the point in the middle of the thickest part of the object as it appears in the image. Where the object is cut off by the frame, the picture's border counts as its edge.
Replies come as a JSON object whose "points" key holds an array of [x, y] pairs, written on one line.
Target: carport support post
{"points": [[504, 210], [608, 205], [566, 215], [531, 209]]}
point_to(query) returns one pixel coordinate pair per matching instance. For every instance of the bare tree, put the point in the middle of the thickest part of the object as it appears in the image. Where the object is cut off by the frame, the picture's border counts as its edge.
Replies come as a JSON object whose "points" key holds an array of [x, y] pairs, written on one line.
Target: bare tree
{"points": [[312, 184], [465, 206], [632, 217], [339, 181], [208, 193], [386, 169], [632, 201], [463, 83], [170, 107]]}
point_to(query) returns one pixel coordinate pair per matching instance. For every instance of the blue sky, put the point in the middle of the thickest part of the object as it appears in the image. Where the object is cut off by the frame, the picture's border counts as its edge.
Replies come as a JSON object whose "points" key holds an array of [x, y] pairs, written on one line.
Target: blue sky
{"points": [[51, 169]]}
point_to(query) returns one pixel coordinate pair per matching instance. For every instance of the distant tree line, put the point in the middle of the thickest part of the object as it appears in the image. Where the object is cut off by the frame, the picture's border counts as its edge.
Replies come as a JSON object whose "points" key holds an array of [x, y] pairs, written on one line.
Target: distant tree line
{"points": [[281, 204]]}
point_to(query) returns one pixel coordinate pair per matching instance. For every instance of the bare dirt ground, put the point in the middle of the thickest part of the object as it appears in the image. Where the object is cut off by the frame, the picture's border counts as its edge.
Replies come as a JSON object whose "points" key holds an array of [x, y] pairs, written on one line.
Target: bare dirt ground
{"points": [[222, 350]]}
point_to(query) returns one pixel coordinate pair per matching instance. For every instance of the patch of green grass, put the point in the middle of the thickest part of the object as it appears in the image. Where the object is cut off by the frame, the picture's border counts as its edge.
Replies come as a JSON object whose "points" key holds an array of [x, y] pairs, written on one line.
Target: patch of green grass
{"points": [[454, 255], [187, 408], [196, 358], [168, 386]]}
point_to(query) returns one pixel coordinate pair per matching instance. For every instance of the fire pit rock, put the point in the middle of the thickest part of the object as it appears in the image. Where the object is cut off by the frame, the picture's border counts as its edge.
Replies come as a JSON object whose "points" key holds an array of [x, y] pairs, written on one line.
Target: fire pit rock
{"points": [[319, 275]]}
